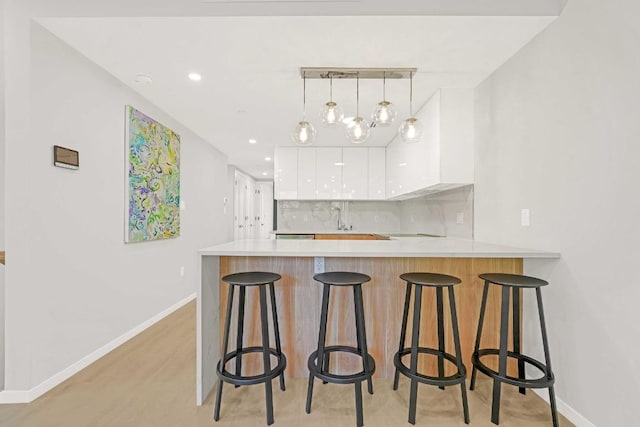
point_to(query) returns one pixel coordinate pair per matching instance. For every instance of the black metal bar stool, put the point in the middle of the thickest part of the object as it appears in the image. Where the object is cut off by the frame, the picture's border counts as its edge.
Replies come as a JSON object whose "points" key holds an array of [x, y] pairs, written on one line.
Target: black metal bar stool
{"points": [[515, 282], [319, 359], [242, 281], [437, 281]]}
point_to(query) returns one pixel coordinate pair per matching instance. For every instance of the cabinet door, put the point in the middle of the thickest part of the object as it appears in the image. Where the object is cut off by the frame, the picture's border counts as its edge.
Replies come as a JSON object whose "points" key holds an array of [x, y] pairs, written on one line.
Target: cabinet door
{"points": [[265, 213], [286, 173], [329, 173], [377, 173], [307, 173], [355, 173], [240, 207]]}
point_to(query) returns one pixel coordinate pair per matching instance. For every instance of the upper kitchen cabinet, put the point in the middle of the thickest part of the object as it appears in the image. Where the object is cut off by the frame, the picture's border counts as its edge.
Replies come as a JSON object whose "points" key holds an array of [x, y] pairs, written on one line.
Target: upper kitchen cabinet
{"points": [[376, 173], [443, 158], [307, 174], [355, 173], [285, 175], [328, 172]]}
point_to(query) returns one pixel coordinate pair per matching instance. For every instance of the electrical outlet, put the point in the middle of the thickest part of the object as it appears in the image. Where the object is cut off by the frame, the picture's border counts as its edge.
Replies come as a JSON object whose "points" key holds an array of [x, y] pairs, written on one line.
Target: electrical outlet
{"points": [[181, 271], [318, 264], [460, 218], [525, 217]]}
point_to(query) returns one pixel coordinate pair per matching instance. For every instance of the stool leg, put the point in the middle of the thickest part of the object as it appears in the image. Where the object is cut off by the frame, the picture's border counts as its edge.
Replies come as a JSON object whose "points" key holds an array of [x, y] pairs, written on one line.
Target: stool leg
{"points": [[483, 307], [359, 417], [403, 331], [321, 342], [456, 343], [547, 358], [361, 333], [223, 351], [440, 312], [415, 337], [266, 353], [240, 331], [516, 334], [276, 327], [502, 358]]}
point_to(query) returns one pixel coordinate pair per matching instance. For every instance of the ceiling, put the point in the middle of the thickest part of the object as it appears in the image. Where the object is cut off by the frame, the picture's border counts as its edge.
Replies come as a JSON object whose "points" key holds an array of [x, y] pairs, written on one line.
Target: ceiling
{"points": [[251, 86]]}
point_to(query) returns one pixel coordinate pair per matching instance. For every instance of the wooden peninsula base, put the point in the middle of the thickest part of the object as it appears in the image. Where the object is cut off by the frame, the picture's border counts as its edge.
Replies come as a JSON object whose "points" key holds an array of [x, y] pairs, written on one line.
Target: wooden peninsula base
{"points": [[298, 299]]}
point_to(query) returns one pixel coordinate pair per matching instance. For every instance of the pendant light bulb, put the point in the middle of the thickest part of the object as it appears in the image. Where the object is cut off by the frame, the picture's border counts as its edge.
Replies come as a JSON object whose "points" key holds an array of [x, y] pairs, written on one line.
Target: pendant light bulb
{"points": [[331, 113], [411, 129], [304, 132], [358, 129], [383, 114]]}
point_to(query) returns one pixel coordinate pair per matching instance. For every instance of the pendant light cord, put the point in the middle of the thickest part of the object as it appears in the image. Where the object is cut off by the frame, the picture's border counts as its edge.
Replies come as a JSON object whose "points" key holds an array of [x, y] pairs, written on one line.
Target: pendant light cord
{"points": [[357, 94], [331, 88], [304, 95], [411, 94], [384, 86]]}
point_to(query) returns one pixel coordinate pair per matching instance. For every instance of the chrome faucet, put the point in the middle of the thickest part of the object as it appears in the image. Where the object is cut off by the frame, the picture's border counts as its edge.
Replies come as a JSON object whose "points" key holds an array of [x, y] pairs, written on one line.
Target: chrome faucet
{"points": [[335, 208]]}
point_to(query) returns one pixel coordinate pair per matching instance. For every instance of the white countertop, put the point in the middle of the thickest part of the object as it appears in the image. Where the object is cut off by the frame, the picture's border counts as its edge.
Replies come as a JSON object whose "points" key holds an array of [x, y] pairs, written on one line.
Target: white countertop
{"points": [[436, 247]]}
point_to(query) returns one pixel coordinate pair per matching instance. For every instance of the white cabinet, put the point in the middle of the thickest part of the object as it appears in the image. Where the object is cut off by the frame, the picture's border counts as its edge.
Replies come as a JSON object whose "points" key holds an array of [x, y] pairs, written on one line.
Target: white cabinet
{"points": [[307, 174], [355, 173], [376, 174], [328, 173], [444, 157], [286, 173]]}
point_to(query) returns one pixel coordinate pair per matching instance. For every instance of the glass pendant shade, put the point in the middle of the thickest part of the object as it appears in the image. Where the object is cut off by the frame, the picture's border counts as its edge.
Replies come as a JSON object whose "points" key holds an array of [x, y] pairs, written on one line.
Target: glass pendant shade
{"points": [[384, 114], [411, 130], [358, 130], [331, 114], [304, 133]]}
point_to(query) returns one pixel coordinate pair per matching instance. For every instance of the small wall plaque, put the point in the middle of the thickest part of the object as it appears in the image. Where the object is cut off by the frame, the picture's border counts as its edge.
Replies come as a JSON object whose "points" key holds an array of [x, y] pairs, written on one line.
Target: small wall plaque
{"points": [[65, 158]]}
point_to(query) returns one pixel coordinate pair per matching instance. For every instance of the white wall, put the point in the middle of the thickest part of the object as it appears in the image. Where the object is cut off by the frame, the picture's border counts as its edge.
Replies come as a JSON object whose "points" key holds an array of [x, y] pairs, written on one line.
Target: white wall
{"points": [[557, 132], [73, 285], [2, 172]]}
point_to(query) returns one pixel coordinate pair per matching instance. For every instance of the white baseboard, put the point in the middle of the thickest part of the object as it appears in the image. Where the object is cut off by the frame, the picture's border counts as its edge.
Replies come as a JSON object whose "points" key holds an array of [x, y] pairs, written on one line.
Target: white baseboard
{"points": [[571, 414], [26, 396]]}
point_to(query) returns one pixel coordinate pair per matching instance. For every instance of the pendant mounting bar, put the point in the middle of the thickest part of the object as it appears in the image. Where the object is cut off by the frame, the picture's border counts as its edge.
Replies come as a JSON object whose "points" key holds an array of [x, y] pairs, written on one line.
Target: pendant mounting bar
{"points": [[352, 73]]}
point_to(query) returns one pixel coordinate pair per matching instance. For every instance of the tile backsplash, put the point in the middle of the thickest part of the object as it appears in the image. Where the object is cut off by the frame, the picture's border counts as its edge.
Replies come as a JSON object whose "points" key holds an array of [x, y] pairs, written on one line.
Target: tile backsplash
{"points": [[449, 213]]}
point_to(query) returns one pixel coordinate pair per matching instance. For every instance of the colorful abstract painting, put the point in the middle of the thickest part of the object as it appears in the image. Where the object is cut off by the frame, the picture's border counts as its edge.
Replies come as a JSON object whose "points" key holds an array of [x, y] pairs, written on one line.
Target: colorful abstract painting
{"points": [[153, 179]]}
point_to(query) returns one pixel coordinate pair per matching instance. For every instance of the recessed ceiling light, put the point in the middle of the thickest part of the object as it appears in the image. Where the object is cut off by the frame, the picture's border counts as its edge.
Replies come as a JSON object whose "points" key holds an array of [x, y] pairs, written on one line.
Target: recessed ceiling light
{"points": [[252, 141], [143, 78], [195, 77], [402, 164], [265, 173], [268, 159], [338, 164]]}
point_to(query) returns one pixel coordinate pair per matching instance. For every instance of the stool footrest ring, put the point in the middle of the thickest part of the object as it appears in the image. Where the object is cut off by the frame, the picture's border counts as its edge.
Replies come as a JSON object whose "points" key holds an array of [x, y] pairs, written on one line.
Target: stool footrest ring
{"points": [[449, 380], [228, 377], [543, 382], [314, 369]]}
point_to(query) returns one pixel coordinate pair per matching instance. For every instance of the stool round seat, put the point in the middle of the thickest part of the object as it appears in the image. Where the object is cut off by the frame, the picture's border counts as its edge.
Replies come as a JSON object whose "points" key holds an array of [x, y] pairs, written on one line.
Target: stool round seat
{"points": [[251, 278], [439, 282], [342, 278], [430, 279], [512, 286], [514, 280], [262, 281], [319, 361]]}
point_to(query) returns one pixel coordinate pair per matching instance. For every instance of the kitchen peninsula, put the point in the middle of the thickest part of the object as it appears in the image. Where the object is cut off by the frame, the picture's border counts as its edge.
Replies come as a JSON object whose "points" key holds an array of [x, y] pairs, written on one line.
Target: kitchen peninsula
{"points": [[298, 296]]}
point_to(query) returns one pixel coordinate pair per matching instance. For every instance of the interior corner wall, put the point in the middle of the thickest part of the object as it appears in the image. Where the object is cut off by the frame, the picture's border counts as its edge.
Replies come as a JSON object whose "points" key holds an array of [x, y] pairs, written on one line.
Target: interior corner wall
{"points": [[557, 133], [73, 285], [2, 172]]}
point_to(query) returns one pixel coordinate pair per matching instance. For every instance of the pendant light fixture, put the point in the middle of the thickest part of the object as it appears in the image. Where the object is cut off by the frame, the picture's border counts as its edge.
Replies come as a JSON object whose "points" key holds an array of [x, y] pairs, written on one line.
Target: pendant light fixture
{"points": [[383, 114], [357, 130], [331, 113], [411, 129], [304, 132]]}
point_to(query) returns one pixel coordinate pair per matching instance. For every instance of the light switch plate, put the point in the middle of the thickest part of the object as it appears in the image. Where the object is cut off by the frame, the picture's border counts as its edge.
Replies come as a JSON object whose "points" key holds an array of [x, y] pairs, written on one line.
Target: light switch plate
{"points": [[460, 218], [318, 264]]}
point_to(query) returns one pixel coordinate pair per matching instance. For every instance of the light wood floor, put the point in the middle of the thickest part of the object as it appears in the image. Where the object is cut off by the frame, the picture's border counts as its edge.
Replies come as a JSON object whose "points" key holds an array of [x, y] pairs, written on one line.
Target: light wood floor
{"points": [[150, 381]]}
